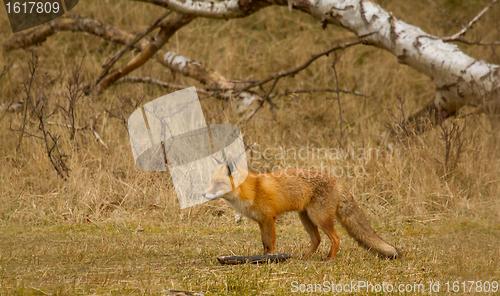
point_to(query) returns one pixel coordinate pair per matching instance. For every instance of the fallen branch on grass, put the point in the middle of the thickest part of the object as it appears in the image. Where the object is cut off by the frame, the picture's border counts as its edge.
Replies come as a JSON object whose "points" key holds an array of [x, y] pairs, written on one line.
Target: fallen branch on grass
{"points": [[255, 259]]}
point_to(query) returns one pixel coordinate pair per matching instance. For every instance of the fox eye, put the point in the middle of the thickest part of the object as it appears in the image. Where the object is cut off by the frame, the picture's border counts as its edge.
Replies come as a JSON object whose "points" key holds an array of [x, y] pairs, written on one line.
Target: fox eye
{"points": [[220, 183]]}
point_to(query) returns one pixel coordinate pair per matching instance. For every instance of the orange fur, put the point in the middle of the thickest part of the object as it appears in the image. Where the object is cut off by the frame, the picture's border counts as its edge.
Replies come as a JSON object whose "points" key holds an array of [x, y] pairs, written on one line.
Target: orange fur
{"points": [[317, 197]]}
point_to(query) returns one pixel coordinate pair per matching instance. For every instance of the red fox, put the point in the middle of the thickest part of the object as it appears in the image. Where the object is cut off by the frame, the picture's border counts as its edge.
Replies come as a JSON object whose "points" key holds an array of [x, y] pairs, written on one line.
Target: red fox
{"points": [[317, 197]]}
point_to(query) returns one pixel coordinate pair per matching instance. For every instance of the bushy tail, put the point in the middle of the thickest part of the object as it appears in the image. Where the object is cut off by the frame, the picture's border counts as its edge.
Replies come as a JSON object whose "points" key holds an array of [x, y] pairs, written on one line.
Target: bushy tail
{"points": [[352, 218]]}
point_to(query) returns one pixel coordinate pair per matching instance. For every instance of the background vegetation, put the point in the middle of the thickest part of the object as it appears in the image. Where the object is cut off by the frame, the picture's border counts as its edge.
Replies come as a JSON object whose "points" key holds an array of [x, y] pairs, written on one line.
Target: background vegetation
{"points": [[112, 229]]}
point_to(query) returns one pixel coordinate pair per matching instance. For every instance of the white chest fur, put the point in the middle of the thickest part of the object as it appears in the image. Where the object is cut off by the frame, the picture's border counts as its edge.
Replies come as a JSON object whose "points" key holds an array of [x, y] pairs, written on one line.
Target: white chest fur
{"points": [[243, 207]]}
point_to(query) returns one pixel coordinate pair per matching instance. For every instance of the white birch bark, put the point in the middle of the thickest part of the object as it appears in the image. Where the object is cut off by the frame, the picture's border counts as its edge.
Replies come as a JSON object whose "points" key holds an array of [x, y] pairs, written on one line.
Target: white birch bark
{"points": [[211, 78], [459, 78]]}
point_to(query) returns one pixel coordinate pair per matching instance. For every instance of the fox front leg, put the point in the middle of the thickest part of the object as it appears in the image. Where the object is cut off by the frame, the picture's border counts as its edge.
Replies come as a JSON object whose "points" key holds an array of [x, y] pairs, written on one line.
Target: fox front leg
{"points": [[268, 233]]}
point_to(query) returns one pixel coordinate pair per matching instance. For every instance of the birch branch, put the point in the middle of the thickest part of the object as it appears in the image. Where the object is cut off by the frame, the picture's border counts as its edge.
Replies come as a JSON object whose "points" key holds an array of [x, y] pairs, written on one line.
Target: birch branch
{"points": [[74, 24], [129, 45], [211, 9], [176, 62], [459, 78], [168, 28]]}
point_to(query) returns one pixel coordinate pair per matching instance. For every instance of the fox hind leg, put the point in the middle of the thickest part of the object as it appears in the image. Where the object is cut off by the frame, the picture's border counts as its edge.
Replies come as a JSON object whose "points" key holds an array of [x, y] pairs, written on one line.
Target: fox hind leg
{"points": [[327, 226], [312, 229]]}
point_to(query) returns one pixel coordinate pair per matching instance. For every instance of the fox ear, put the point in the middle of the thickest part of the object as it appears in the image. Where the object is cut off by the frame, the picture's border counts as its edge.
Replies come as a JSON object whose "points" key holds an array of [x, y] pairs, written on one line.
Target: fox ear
{"points": [[218, 161], [232, 165]]}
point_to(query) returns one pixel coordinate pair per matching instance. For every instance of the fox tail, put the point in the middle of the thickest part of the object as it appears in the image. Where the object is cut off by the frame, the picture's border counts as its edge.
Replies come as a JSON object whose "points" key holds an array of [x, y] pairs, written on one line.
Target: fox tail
{"points": [[354, 221]]}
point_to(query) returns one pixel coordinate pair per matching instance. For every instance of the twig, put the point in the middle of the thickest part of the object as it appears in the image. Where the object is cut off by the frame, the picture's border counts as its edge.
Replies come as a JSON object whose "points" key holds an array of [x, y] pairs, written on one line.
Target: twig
{"points": [[13, 106], [32, 66], [129, 45], [36, 289], [92, 127], [38, 109], [62, 125], [5, 70], [342, 90], [24, 133], [127, 107], [439, 8], [294, 71], [251, 148], [494, 43], [242, 80], [338, 98], [470, 24], [313, 57], [96, 135], [184, 293], [74, 94], [261, 103], [135, 79]]}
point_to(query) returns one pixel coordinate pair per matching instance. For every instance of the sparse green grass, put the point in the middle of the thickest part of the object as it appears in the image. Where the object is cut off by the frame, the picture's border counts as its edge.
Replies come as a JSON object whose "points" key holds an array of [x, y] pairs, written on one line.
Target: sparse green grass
{"points": [[112, 257], [111, 229]]}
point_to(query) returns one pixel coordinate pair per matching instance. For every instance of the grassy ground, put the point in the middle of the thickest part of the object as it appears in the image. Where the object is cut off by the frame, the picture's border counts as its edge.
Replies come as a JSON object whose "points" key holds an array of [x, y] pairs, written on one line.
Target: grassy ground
{"points": [[111, 229]]}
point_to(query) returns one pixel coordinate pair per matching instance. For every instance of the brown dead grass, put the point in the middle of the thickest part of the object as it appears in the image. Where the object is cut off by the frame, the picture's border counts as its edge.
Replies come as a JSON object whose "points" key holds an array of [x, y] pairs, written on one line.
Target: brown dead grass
{"points": [[112, 229]]}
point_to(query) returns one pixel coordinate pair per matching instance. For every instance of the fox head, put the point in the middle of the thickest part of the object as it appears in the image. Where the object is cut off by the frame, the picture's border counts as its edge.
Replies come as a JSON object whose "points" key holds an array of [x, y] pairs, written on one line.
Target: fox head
{"points": [[224, 180], [221, 183]]}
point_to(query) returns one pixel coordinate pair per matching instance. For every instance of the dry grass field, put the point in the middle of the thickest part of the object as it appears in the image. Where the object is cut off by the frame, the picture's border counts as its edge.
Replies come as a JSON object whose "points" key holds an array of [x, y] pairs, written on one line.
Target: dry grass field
{"points": [[112, 229]]}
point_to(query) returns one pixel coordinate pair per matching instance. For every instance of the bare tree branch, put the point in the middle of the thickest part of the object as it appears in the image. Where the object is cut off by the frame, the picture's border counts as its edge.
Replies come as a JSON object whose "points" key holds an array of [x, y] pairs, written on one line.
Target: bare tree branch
{"points": [[128, 46], [294, 71], [314, 90], [291, 72], [494, 43], [459, 78], [135, 79], [74, 24], [96, 135], [63, 125], [338, 99], [39, 109], [216, 82], [211, 9], [14, 104], [168, 28], [470, 24], [440, 9]]}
